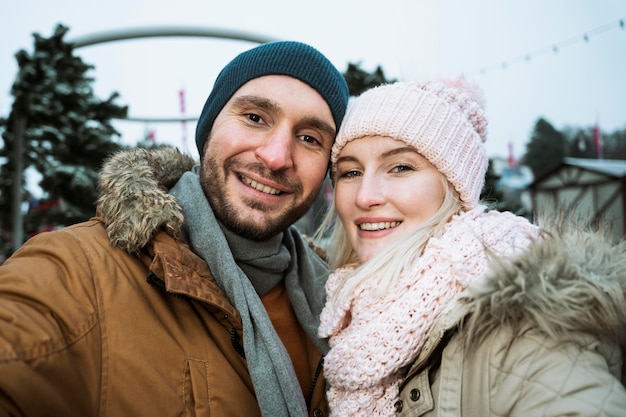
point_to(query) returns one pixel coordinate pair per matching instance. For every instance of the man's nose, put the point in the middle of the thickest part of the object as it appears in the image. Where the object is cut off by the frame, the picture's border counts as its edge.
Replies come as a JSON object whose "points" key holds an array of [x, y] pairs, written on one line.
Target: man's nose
{"points": [[276, 151]]}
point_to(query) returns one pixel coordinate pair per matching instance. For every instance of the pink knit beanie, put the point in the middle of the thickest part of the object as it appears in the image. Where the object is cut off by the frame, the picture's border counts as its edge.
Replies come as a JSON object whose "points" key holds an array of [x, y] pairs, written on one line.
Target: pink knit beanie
{"points": [[443, 120]]}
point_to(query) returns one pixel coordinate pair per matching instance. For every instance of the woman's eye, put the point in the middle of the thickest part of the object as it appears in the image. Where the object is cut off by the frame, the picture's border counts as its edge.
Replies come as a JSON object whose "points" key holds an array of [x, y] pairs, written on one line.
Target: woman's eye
{"points": [[402, 168], [350, 174]]}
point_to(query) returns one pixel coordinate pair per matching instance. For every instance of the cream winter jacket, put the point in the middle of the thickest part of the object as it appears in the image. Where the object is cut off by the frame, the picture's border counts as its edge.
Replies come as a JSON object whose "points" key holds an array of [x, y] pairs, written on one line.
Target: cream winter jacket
{"points": [[543, 336]]}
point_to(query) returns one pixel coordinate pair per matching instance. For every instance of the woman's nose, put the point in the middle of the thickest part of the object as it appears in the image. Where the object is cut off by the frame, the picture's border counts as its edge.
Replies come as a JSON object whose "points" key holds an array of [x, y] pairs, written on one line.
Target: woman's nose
{"points": [[371, 192]]}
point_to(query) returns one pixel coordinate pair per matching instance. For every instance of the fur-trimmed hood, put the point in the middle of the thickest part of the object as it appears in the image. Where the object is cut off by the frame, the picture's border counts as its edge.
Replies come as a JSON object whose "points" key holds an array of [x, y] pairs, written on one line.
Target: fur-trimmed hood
{"points": [[571, 280], [133, 201]]}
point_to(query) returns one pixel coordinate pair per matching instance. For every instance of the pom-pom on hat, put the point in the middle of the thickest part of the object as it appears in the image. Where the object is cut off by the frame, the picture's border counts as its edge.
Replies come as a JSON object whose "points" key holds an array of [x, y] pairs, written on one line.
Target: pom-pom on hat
{"points": [[295, 59], [444, 120]]}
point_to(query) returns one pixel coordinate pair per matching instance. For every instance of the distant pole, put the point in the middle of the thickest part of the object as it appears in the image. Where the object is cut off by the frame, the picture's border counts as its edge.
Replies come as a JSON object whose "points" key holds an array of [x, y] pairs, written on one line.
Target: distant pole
{"points": [[597, 140], [16, 203], [511, 155], [183, 122]]}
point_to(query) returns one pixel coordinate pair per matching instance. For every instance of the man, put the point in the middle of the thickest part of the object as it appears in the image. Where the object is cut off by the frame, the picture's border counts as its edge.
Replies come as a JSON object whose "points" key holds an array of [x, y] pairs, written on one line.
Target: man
{"points": [[189, 293]]}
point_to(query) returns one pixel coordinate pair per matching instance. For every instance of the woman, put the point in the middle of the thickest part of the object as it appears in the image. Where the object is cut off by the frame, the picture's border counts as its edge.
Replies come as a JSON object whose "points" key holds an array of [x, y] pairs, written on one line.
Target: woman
{"points": [[425, 316]]}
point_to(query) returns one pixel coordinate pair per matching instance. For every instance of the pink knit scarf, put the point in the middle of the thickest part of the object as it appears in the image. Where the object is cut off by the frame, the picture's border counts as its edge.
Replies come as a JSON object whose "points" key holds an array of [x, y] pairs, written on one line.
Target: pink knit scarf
{"points": [[374, 338]]}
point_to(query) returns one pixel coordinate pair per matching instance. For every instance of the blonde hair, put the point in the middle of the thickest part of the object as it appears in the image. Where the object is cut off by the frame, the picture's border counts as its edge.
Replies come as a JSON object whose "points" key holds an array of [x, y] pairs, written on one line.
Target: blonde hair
{"points": [[384, 269]]}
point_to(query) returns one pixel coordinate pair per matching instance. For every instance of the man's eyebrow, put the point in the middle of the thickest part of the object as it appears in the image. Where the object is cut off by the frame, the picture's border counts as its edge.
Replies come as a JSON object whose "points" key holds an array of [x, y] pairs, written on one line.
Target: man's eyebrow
{"points": [[320, 124], [261, 102]]}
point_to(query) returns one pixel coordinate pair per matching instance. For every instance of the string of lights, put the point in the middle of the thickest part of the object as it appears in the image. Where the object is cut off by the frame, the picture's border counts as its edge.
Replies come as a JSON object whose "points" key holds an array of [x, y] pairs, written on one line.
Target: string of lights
{"points": [[554, 48]]}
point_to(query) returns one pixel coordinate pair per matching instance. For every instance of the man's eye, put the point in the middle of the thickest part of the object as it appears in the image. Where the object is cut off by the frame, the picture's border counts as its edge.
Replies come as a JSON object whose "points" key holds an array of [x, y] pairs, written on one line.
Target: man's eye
{"points": [[309, 139], [254, 118]]}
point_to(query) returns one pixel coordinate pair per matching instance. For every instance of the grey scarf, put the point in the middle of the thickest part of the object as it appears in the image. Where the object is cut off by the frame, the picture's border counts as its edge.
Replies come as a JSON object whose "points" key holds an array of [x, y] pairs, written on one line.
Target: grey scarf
{"points": [[275, 383], [264, 263]]}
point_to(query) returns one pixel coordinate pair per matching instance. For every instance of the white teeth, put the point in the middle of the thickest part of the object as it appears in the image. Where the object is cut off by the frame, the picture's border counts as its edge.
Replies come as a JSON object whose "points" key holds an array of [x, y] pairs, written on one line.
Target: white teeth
{"points": [[378, 226], [260, 187]]}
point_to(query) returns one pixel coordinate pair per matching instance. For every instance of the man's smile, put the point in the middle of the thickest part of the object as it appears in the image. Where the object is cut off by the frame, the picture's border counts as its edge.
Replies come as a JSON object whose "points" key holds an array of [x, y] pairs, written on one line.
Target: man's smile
{"points": [[258, 186]]}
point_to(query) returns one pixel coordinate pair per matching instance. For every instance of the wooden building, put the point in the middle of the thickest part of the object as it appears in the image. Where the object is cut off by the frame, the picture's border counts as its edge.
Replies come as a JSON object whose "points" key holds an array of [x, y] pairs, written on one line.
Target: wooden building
{"points": [[590, 189]]}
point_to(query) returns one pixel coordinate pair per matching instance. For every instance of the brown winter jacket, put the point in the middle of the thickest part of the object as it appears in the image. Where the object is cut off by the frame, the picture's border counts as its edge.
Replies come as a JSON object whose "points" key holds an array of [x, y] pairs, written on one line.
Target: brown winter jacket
{"points": [[91, 329], [543, 336]]}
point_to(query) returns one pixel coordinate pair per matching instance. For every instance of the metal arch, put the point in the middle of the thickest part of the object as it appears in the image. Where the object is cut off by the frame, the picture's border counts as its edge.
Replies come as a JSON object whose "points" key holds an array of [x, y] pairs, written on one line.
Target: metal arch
{"points": [[166, 31]]}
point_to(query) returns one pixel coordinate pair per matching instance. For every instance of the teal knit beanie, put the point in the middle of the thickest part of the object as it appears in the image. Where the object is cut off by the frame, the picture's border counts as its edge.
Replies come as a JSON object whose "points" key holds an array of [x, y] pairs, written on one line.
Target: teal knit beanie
{"points": [[295, 59]]}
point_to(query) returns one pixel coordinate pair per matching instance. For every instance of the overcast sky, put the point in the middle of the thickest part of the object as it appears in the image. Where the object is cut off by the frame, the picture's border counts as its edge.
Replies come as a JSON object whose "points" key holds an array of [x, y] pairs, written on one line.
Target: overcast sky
{"points": [[581, 84]]}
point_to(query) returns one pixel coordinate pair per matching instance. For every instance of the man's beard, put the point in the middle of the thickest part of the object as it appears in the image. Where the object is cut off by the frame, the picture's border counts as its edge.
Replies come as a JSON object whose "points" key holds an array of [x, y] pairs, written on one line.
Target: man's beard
{"points": [[213, 181]]}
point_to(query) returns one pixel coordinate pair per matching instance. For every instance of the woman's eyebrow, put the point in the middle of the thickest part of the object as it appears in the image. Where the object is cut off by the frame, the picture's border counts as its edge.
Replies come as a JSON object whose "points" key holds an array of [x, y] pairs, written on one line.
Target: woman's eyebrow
{"points": [[396, 151], [383, 155], [346, 158]]}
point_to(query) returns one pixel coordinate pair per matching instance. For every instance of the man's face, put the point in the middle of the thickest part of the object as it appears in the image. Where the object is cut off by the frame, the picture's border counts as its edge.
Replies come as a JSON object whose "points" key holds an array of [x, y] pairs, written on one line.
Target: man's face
{"points": [[267, 155]]}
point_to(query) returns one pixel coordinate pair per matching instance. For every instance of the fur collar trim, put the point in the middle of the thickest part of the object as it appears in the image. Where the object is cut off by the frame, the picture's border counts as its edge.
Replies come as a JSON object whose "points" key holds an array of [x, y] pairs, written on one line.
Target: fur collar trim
{"points": [[571, 280], [133, 200]]}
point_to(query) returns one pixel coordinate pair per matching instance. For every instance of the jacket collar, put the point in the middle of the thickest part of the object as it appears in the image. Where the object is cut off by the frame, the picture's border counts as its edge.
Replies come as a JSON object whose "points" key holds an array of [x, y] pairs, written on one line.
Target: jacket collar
{"points": [[184, 273]]}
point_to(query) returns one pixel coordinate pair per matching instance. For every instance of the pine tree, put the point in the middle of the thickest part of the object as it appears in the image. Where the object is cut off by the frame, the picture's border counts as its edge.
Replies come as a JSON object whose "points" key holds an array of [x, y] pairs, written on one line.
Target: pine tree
{"points": [[360, 80], [67, 131], [545, 150]]}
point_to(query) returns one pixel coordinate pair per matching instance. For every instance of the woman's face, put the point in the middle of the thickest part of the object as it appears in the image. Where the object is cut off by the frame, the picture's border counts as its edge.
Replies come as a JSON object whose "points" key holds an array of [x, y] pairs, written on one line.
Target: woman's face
{"points": [[384, 189]]}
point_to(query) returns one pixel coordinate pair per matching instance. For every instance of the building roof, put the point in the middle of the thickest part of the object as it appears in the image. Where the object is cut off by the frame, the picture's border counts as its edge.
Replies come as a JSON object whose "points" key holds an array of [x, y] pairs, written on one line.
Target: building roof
{"points": [[613, 167]]}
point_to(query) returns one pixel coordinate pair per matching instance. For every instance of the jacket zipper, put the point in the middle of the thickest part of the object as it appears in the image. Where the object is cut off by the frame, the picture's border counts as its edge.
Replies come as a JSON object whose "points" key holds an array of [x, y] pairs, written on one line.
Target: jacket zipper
{"points": [[318, 372]]}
